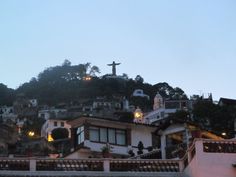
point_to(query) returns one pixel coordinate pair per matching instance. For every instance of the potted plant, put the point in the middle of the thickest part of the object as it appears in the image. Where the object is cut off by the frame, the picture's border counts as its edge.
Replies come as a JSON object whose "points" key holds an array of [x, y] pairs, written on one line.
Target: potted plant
{"points": [[131, 153], [106, 150], [140, 148]]}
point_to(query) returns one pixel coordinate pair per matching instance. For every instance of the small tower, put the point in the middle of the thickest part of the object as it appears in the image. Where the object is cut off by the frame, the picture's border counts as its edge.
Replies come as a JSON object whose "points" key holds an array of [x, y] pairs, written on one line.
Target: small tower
{"points": [[138, 116], [158, 102]]}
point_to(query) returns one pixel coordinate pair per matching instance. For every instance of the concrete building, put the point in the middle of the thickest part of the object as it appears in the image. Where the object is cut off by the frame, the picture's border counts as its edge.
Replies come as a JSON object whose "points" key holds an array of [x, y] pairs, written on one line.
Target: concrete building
{"points": [[140, 93], [7, 114], [52, 124], [91, 134], [163, 108], [52, 113]]}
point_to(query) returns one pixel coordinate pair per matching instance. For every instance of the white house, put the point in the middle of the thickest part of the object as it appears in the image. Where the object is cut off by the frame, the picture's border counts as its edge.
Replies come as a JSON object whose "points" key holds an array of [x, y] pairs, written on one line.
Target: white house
{"points": [[7, 113], [140, 93], [91, 134], [176, 136], [34, 102], [163, 108], [51, 113], [52, 124]]}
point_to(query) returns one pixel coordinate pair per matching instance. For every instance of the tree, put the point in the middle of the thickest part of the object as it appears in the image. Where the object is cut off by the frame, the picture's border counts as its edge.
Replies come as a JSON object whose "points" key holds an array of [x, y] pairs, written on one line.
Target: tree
{"points": [[181, 115], [60, 133], [66, 63], [214, 117], [65, 84], [139, 79], [9, 137], [33, 124], [7, 95], [125, 76]]}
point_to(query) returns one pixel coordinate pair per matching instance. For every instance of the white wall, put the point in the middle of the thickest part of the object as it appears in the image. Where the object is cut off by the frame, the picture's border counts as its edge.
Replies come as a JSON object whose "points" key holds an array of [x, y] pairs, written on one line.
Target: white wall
{"points": [[215, 164], [157, 115], [78, 155], [48, 127], [211, 164], [141, 133], [192, 169]]}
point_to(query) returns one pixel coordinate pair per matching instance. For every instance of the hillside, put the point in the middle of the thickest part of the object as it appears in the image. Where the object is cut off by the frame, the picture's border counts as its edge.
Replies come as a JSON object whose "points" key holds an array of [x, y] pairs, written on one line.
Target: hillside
{"points": [[66, 83]]}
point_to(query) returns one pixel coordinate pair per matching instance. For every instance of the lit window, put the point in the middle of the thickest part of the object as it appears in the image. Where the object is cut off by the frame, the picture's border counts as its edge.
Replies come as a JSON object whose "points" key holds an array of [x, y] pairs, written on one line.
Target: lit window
{"points": [[80, 134]]}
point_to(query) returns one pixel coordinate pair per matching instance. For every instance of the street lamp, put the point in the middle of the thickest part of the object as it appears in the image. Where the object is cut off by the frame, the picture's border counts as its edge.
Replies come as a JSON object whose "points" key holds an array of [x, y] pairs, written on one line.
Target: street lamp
{"points": [[31, 133], [138, 115], [223, 133]]}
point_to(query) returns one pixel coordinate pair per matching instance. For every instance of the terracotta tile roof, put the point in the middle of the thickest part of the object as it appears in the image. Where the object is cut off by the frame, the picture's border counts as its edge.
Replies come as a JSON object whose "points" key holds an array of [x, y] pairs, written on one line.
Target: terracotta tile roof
{"points": [[74, 123]]}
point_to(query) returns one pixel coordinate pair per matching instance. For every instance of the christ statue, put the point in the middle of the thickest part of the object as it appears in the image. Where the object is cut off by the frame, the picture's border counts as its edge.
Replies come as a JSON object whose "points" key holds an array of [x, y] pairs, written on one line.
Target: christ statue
{"points": [[113, 67]]}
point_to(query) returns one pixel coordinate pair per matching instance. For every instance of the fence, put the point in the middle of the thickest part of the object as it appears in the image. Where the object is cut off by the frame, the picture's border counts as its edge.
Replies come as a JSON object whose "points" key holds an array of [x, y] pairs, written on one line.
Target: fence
{"points": [[118, 165], [107, 165]]}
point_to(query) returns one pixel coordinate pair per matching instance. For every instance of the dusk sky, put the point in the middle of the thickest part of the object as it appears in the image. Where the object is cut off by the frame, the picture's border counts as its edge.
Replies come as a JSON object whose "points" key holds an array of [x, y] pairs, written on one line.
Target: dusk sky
{"points": [[189, 44]]}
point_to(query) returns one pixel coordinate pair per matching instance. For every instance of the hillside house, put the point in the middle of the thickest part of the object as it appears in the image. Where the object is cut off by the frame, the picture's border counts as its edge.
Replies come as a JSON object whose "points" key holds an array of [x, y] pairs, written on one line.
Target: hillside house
{"points": [[52, 124], [91, 134]]}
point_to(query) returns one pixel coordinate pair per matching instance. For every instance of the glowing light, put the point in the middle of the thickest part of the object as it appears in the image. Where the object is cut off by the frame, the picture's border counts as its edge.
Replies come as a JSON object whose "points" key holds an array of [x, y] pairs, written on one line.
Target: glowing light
{"points": [[31, 133], [224, 134], [138, 115], [87, 78], [50, 139]]}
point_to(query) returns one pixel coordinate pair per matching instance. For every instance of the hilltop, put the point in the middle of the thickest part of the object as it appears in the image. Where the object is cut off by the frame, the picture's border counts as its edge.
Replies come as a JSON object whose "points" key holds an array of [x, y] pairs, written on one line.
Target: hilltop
{"points": [[68, 83]]}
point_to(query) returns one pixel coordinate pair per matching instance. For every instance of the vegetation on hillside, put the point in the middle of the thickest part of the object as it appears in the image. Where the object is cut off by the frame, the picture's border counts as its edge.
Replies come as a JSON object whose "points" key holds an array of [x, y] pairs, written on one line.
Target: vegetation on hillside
{"points": [[66, 83], [7, 95], [215, 118]]}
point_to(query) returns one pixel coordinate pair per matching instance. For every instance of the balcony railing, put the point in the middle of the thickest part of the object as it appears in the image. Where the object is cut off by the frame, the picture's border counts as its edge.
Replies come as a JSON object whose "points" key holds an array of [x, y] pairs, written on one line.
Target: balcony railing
{"points": [[145, 165], [18, 164], [69, 165], [119, 165], [108, 165], [210, 146]]}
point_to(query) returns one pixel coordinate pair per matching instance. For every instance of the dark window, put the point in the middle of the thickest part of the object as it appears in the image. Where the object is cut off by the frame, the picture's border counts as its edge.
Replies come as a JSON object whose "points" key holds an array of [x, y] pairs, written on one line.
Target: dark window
{"points": [[55, 124], [94, 134], [112, 136], [162, 114], [107, 135], [120, 137], [103, 135], [62, 124]]}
